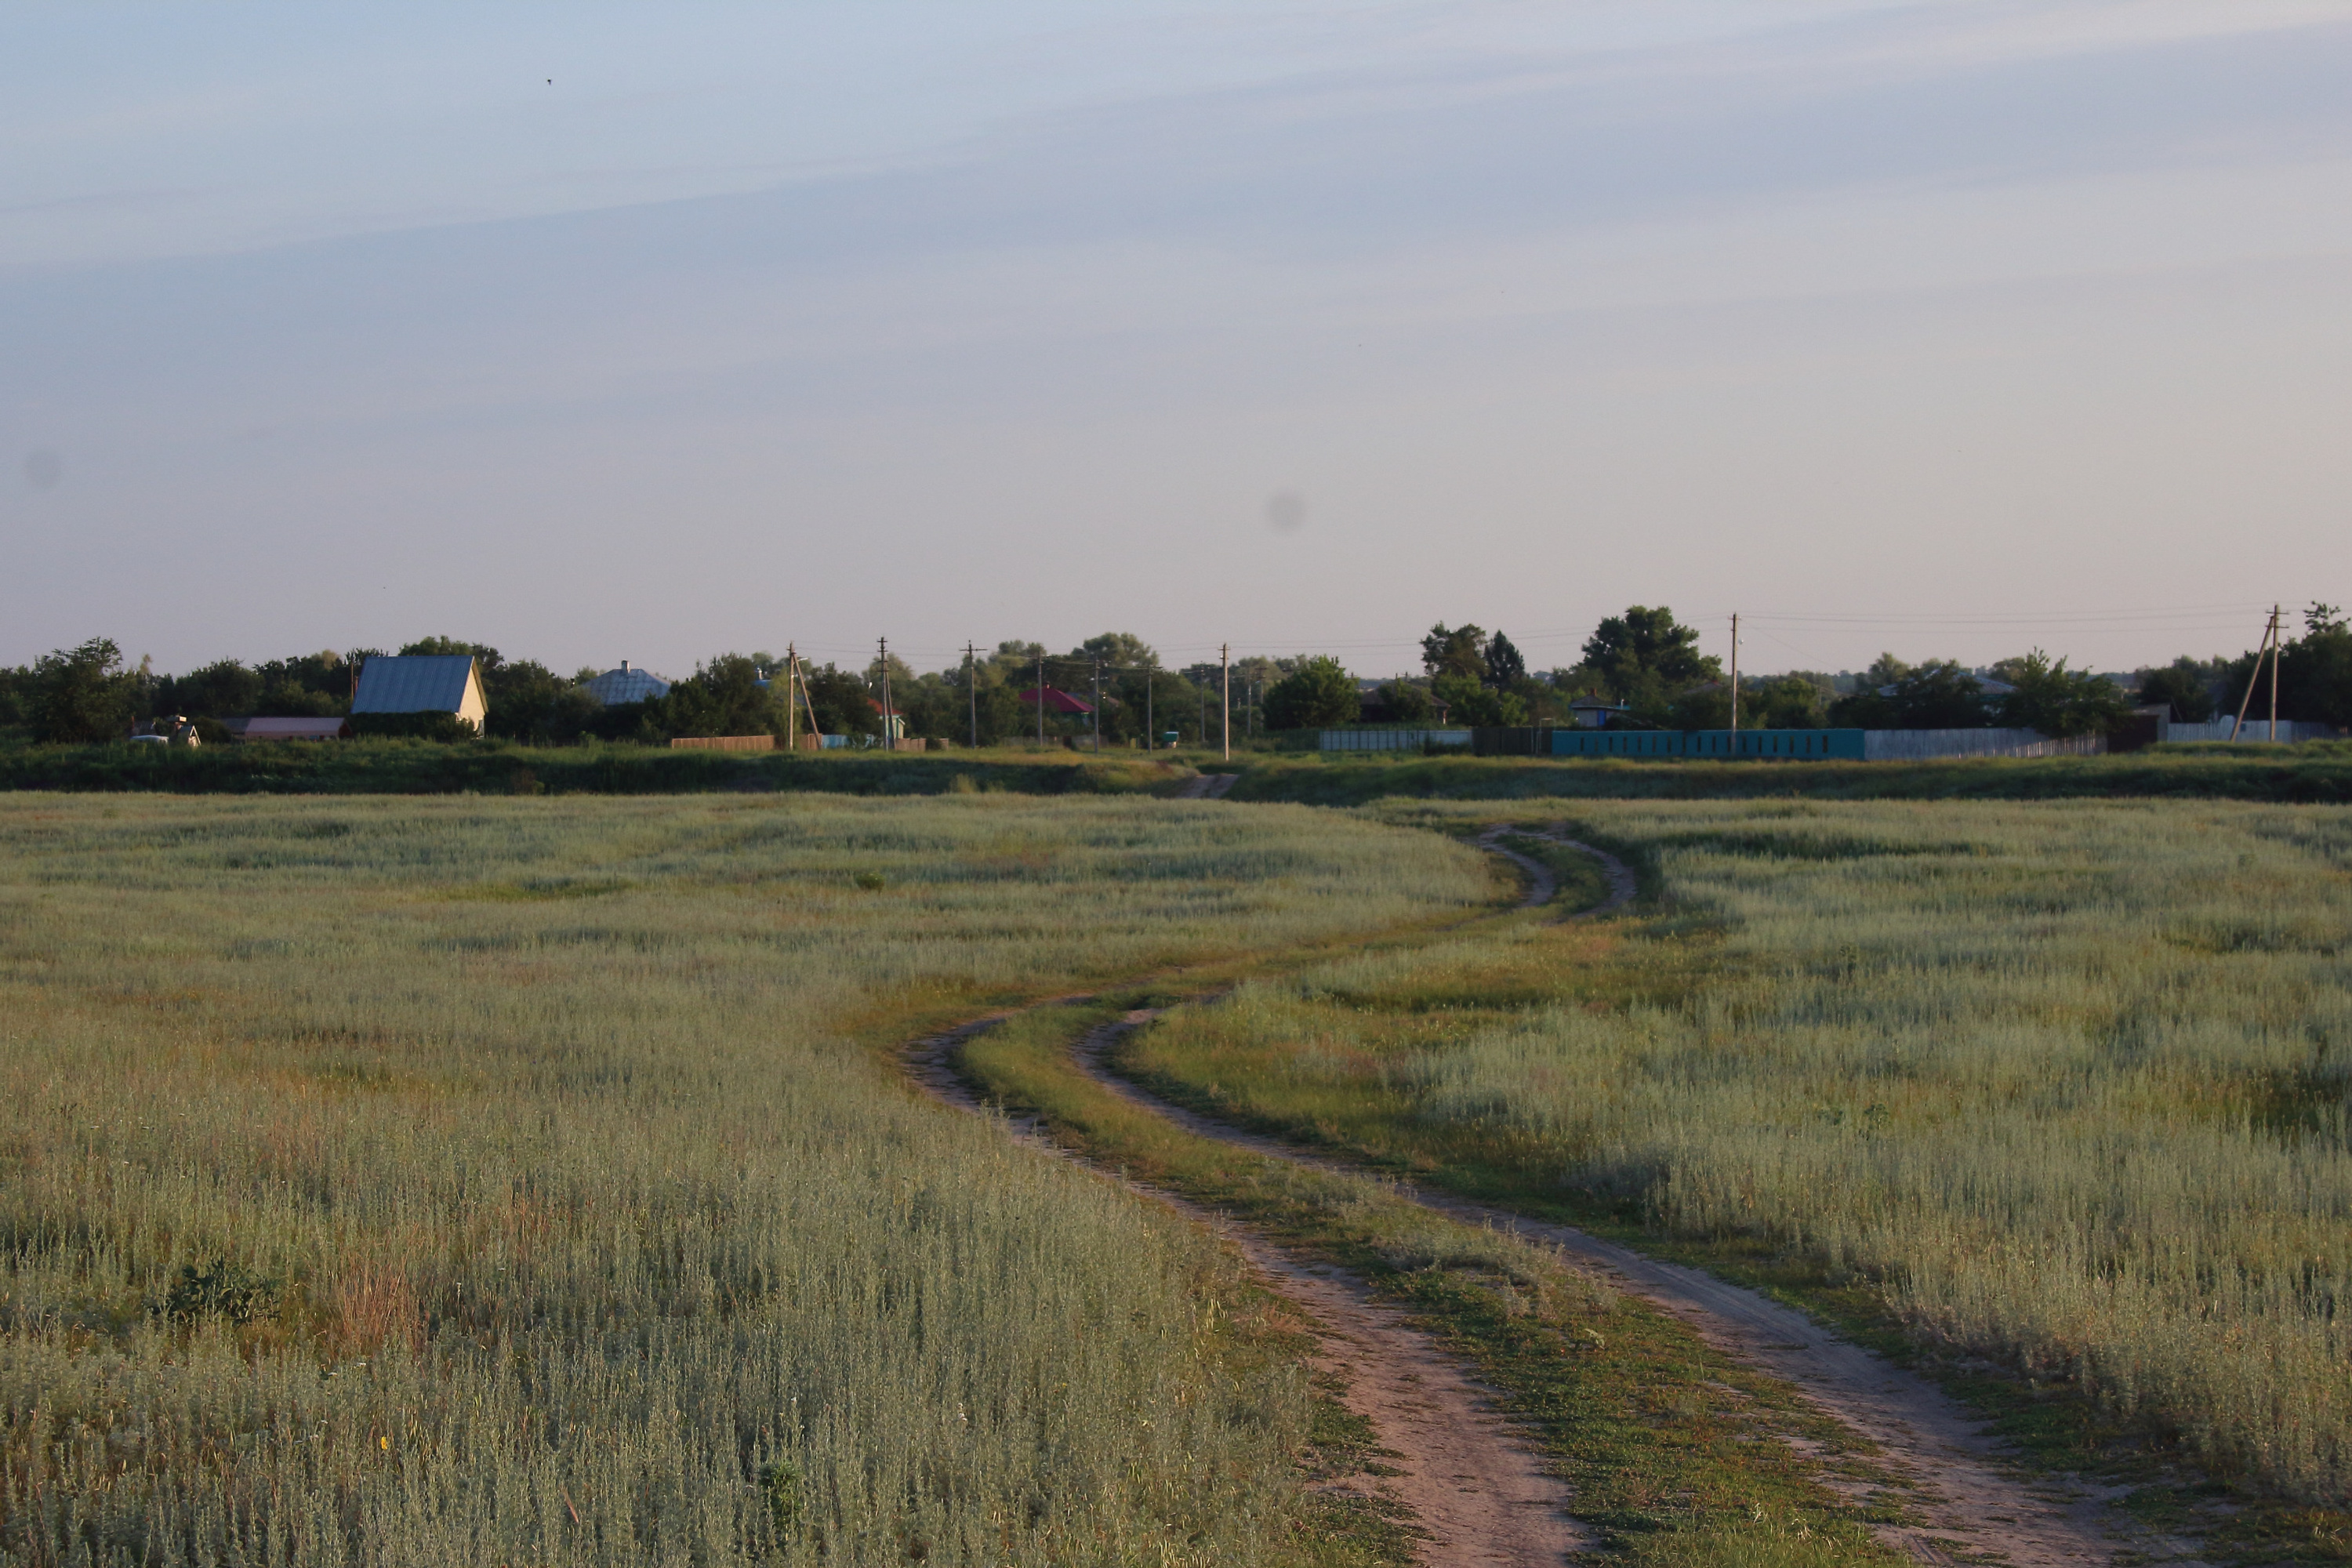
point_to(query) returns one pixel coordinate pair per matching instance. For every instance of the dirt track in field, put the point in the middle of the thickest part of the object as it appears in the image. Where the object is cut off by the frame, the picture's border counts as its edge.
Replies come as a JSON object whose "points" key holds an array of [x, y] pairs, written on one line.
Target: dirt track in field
{"points": [[1968, 1504], [1478, 1491], [1475, 1485]]}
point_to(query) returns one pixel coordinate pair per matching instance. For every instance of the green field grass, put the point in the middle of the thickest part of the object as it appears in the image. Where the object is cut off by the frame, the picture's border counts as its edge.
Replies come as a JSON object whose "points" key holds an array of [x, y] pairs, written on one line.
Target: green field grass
{"points": [[2316, 771], [522, 1180], [379, 767], [2311, 772], [2062, 1087]]}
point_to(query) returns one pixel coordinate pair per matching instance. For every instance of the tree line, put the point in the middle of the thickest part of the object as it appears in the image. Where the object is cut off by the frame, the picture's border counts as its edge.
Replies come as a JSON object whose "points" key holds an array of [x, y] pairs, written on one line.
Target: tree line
{"points": [[1645, 664]]}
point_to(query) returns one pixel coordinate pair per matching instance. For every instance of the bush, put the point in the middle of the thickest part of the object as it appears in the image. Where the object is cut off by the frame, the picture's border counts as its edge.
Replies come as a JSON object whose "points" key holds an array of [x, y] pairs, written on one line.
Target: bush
{"points": [[219, 1289], [444, 728]]}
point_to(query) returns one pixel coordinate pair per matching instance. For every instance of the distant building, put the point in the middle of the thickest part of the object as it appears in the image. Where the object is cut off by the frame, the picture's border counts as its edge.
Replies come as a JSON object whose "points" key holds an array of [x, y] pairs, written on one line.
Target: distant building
{"points": [[627, 684], [1056, 701], [422, 683], [893, 723], [1593, 712]]}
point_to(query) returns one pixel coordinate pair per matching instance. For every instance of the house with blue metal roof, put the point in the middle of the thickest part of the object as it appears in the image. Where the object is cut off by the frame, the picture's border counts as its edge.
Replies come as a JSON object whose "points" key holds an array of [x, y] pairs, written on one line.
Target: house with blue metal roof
{"points": [[422, 683], [627, 684]]}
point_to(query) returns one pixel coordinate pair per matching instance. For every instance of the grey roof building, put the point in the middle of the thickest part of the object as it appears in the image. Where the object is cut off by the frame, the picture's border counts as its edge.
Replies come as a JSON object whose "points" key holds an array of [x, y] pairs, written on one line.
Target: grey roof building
{"points": [[628, 685], [421, 683]]}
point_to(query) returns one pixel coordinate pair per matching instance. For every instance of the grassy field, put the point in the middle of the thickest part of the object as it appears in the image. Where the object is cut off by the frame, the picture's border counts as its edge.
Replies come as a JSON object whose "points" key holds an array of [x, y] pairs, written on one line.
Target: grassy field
{"points": [[2312, 772], [2060, 1086], [518, 1181], [2320, 772], [379, 767]]}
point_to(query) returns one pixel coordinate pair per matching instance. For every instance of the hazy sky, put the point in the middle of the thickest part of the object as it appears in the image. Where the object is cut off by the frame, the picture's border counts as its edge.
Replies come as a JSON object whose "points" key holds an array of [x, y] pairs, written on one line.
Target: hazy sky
{"points": [[597, 331]]}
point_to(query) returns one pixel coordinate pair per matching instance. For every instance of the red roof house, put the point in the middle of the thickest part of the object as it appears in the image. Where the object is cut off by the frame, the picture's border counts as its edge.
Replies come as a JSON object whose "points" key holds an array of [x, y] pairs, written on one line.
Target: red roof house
{"points": [[1057, 701]]}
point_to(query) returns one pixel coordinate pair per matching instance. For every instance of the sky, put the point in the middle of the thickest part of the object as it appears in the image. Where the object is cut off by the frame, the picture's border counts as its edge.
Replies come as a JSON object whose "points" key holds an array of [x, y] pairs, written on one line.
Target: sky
{"points": [[597, 331]]}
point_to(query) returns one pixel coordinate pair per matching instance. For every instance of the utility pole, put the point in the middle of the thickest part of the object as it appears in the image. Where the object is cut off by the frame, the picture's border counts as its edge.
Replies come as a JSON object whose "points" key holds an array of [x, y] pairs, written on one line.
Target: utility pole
{"points": [[1040, 695], [792, 687], [1225, 698], [2270, 647], [1151, 732], [889, 731], [972, 670], [2274, 664], [1098, 707], [1735, 682]]}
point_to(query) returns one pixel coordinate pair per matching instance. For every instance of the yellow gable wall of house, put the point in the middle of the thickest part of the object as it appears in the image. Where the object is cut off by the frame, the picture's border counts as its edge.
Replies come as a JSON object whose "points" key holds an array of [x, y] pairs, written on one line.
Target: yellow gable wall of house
{"points": [[473, 707]]}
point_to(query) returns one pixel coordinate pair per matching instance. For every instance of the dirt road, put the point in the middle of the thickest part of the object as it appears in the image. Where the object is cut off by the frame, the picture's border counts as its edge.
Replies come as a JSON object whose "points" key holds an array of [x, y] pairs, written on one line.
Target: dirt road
{"points": [[1970, 1505], [1477, 1490]]}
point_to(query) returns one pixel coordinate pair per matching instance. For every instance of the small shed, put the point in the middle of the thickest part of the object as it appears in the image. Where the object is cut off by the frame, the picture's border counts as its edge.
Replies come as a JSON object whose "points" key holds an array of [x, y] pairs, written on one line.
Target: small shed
{"points": [[1593, 712], [422, 683], [627, 684]]}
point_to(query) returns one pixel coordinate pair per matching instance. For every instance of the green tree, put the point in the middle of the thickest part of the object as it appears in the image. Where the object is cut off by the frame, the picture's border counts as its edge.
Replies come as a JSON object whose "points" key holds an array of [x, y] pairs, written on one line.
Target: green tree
{"points": [[1505, 669], [1645, 642], [843, 705], [2186, 684], [1320, 692], [726, 695], [217, 690], [1461, 651], [529, 701], [2058, 701], [1117, 650], [2315, 672], [83, 695], [1408, 702], [1468, 699], [1791, 701], [1939, 695]]}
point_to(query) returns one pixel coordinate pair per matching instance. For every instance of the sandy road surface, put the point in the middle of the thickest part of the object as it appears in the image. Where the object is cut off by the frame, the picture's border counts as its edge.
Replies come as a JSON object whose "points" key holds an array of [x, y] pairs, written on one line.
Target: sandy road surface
{"points": [[1478, 1491]]}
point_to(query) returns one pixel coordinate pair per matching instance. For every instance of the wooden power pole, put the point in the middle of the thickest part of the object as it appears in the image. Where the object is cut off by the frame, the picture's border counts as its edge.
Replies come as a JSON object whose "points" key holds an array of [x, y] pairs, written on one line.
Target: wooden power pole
{"points": [[2253, 680], [1225, 698], [1040, 695], [889, 735], [972, 670], [1735, 683]]}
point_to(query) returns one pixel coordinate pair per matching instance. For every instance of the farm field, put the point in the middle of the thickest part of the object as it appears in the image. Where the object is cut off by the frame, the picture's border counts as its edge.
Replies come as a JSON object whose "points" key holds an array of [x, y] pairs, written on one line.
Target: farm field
{"points": [[2312, 772], [475, 1181], [2060, 1086]]}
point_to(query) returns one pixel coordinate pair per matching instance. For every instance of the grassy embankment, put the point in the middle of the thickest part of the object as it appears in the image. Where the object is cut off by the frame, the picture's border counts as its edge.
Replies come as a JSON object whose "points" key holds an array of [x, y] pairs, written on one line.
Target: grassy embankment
{"points": [[2313, 772], [495, 767], [416, 1182], [2059, 1086]]}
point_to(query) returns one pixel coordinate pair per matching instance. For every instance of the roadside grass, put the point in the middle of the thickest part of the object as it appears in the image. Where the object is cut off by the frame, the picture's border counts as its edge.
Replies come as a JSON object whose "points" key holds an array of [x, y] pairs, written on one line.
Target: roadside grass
{"points": [[2049, 1097], [1676, 1453], [407, 1181]]}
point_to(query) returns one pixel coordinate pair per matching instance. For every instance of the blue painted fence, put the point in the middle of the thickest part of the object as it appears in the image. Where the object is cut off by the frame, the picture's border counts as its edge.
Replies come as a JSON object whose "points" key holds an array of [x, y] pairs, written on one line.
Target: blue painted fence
{"points": [[1724, 743]]}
